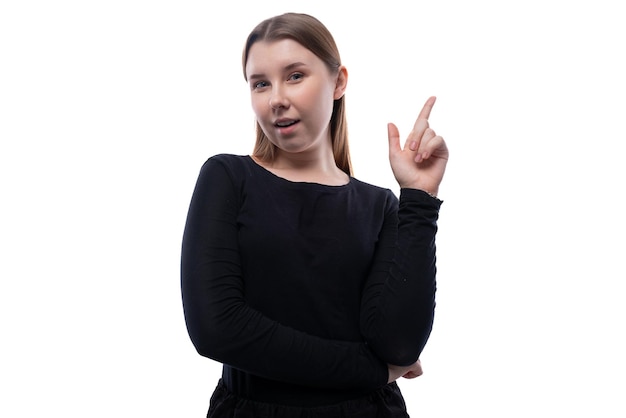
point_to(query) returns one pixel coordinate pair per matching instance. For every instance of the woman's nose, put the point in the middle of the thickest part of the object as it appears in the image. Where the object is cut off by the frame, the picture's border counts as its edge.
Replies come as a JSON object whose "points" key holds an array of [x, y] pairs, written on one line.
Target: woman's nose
{"points": [[278, 99]]}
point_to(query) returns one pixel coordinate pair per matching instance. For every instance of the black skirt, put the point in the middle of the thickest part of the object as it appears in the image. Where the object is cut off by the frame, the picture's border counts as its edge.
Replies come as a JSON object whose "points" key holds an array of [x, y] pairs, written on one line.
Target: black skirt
{"points": [[386, 402]]}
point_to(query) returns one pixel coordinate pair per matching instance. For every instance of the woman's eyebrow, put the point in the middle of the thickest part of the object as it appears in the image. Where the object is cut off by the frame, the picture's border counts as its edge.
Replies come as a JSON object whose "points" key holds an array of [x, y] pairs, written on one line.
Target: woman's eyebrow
{"points": [[295, 65], [288, 67]]}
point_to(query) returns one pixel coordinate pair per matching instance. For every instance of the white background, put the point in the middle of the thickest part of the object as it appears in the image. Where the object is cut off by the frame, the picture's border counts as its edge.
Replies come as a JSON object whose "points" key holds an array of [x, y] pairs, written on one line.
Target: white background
{"points": [[109, 108]]}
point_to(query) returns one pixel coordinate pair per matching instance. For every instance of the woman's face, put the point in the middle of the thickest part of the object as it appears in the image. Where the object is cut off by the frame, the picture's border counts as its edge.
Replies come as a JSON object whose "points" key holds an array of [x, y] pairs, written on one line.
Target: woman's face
{"points": [[292, 94]]}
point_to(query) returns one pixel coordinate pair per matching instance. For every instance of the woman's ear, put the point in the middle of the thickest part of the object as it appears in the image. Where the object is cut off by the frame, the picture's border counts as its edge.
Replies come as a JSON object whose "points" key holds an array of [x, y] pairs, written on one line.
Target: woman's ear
{"points": [[342, 83]]}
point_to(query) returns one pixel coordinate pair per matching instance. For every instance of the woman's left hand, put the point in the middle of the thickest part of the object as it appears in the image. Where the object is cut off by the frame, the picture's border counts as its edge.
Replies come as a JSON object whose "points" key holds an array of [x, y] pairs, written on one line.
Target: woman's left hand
{"points": [[408, 372], [422, 162], [416, 371]]}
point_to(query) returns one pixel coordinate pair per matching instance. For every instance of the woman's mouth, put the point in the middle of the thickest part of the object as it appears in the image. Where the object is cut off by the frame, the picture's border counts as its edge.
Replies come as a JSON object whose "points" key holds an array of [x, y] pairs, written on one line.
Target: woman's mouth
{"points": [[285, 123], [286, 126]]}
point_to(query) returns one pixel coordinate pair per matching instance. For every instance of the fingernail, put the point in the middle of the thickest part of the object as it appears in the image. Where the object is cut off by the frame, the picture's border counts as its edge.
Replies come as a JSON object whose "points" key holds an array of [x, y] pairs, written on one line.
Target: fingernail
{"points": [[413, 145]]}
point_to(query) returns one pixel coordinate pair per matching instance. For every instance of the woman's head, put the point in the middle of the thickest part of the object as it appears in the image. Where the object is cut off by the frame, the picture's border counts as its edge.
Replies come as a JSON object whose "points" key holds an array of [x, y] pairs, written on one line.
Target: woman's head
{"points": [[311, 34]]}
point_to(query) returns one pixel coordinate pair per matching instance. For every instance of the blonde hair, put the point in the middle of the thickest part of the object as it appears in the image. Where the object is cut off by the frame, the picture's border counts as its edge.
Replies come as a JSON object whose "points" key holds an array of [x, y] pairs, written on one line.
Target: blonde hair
{"points": [[313, 35]]}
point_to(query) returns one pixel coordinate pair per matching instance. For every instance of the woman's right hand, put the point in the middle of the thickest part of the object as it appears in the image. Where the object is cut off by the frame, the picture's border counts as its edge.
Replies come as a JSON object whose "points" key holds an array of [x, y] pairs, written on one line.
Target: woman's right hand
{"points": [[408, 372]]}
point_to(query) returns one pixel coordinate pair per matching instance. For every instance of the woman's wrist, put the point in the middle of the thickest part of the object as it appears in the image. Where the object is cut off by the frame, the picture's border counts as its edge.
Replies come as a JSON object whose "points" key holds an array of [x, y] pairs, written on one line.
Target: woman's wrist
{"points": [[432, 192], [430, 189]]}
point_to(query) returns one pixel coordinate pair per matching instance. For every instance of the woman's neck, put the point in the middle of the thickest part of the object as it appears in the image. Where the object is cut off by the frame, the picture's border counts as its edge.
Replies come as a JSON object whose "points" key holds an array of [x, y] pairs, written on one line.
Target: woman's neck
{"points": [[306, 168]]}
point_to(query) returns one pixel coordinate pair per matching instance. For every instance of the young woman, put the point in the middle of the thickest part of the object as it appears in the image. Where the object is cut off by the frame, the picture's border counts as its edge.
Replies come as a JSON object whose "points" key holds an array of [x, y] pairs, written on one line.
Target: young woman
{"points": [[315, 290]]}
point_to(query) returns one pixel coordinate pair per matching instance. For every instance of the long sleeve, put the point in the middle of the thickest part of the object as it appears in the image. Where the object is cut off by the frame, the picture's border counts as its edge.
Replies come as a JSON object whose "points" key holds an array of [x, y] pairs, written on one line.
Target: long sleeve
{"points": [[224, 327], [399, 297]]}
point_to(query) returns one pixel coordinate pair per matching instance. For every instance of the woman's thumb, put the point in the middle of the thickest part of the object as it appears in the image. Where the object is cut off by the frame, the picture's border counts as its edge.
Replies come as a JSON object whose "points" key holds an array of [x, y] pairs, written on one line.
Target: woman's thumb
{"points": [[394, 137]]}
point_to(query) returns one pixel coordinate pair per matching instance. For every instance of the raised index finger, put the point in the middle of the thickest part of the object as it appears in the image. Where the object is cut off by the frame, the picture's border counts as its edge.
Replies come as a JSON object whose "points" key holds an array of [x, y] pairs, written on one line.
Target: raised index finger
{"points": [[428, 106]]}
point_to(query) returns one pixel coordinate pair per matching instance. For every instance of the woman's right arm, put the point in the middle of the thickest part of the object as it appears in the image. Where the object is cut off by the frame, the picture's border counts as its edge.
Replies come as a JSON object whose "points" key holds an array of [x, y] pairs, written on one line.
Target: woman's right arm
{"points": [[223, 327]]}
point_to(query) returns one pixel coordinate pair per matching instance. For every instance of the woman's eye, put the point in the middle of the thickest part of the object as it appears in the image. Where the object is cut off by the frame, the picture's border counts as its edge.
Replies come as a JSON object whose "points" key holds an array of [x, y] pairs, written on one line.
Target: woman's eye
{"points": [[259, 84], [296, 76]]}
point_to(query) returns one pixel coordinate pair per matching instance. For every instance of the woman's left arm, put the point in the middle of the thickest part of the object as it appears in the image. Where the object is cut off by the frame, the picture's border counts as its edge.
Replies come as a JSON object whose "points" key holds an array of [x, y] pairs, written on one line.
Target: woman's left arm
{"points": [[398, 301]]}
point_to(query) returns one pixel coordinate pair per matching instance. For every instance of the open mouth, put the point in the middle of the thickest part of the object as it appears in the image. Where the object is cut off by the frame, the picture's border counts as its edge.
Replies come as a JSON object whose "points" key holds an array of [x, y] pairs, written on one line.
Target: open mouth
{"points": [[285, 123]]}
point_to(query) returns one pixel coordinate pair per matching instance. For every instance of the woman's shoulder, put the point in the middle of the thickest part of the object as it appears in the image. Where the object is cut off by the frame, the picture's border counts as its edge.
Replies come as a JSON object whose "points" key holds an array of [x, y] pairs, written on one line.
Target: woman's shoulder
{"points": [[234, 167], [373, 190], [233, 163], [228, 159]]}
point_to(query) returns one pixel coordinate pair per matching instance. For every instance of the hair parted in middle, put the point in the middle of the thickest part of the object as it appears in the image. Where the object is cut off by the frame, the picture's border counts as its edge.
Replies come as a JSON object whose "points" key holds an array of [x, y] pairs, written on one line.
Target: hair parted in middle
{"points": [[313, 35]]}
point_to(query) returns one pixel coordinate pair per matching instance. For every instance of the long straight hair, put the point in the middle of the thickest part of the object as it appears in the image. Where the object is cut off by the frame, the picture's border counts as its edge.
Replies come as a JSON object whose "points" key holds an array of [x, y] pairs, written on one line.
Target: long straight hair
{"points": [[313, 35]]}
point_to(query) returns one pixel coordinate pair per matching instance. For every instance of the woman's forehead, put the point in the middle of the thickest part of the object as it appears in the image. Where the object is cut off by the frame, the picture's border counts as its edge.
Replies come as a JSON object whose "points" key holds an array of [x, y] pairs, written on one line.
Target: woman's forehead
{"points": [[279, 53]]}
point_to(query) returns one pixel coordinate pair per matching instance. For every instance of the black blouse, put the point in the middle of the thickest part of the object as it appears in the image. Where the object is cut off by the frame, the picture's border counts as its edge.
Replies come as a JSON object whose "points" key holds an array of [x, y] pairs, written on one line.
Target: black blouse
{"points": [[305, 292]]}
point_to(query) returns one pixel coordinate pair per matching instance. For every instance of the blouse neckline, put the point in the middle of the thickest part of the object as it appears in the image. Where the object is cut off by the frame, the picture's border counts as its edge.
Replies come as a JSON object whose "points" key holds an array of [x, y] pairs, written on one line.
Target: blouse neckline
{"points": [[283, 180]]}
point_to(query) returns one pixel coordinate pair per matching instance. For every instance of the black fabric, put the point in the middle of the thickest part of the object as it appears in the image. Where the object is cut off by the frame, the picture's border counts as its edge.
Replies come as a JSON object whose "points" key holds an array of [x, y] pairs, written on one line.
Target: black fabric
{"points": [[386, 402], [305, 292]]}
